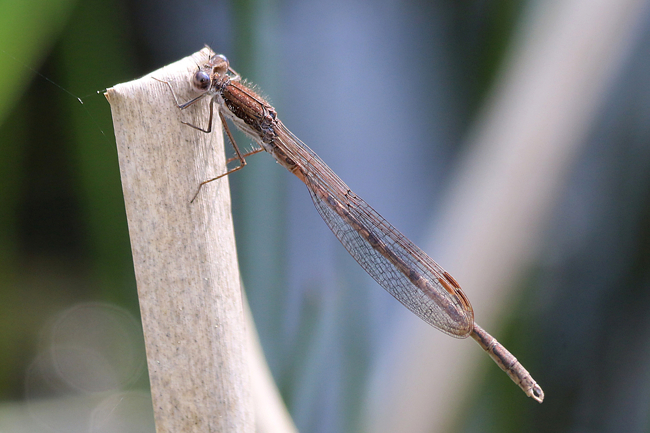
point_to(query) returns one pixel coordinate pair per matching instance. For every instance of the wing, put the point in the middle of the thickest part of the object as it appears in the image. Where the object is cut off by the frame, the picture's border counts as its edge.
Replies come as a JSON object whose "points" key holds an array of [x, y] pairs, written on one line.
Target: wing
{"points": [[398, 265]]}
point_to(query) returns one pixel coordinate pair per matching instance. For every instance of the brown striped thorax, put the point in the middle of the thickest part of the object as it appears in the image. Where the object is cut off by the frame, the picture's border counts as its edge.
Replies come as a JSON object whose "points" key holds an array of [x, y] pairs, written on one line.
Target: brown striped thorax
{"points": [[248, 110]]}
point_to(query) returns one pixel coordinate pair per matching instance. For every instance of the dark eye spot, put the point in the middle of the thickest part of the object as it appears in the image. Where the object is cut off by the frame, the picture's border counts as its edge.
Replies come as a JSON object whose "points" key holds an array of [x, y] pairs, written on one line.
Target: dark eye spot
{"points": [[201, 80]]}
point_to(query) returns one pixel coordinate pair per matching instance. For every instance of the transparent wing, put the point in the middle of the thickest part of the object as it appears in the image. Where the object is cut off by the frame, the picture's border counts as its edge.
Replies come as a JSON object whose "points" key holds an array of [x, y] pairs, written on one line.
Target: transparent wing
{"points": [[397, 264], [408, 279]]}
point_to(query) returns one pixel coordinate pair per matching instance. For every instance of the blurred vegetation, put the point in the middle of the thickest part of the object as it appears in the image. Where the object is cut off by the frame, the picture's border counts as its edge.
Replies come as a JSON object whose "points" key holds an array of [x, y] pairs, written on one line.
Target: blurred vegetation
{"points": [[64, 238]]}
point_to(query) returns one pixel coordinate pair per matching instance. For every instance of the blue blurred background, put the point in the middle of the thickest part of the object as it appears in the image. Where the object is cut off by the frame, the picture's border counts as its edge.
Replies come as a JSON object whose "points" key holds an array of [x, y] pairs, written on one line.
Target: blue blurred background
{"points": [[401, 99]]}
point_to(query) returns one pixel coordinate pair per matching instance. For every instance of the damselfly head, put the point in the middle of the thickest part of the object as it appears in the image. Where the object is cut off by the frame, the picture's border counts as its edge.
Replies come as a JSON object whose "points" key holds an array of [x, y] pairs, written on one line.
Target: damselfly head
{"points": [[219, 64]]}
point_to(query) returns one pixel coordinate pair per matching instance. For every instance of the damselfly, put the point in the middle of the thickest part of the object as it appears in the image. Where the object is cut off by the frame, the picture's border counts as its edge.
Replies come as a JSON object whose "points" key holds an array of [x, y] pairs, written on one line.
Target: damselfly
{"points": [[397, 264]]}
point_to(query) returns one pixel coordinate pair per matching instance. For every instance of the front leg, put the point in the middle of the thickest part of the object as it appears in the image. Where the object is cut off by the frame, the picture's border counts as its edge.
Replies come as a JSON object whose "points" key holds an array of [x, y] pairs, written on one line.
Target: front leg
{"points": [[189, 103]]}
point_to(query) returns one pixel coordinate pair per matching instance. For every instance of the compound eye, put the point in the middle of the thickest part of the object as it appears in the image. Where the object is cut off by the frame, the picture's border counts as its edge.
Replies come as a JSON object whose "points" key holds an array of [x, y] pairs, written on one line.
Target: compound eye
{"points": [[219, 64], [201, 80]]}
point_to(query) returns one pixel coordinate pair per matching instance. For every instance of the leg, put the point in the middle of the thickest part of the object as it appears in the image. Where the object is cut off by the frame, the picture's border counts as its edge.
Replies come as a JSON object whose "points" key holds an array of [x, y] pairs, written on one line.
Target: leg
{"points": [[236, 76], [179, 105], [207, 131], [241, 157], [247, 154], [189, 103]]}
